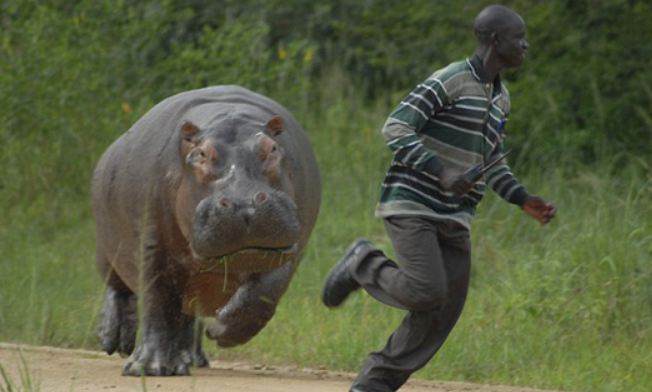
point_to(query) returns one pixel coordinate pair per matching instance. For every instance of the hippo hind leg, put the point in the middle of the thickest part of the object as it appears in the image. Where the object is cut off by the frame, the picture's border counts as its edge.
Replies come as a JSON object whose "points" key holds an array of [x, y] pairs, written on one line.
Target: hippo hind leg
{"points": [[118, 321], [250, 308]]}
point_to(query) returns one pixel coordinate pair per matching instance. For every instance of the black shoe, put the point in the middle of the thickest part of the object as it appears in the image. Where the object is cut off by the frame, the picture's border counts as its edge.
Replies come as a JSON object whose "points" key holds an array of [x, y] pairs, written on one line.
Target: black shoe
{"points": [[339, 282], [358, 388]]}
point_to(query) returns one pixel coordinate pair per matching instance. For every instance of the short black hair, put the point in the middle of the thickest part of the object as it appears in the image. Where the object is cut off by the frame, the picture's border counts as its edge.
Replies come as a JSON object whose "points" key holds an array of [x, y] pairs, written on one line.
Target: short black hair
{"points": [[492, 20]]}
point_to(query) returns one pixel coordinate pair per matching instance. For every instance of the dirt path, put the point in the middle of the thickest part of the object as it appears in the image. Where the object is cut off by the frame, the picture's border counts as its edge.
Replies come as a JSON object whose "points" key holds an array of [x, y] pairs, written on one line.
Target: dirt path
{"points": [[55, 369]]}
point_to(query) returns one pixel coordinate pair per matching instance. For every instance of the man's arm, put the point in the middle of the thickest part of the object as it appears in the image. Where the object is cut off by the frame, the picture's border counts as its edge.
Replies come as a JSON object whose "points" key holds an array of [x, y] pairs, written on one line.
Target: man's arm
{"points": [[404, 123], [505, 184], [502, 181]]}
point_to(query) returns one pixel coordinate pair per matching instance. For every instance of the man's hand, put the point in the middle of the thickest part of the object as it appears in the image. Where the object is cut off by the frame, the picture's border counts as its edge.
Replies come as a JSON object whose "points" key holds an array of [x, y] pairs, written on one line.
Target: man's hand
{"points": [[455, 182], [539, 209], [461, 185]]}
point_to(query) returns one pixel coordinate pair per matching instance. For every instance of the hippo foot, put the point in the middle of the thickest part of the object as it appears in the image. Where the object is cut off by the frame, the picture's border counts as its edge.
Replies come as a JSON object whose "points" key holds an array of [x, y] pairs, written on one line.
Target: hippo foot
{"points": [[149, 361], [199, 359], [118, 323], [218, 331], [249, 309], [228, 336]]}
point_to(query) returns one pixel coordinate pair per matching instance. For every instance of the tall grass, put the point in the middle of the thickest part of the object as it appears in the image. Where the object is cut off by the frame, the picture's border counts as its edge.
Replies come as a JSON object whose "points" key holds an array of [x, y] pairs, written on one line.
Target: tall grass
{"points": [[566, 306]]}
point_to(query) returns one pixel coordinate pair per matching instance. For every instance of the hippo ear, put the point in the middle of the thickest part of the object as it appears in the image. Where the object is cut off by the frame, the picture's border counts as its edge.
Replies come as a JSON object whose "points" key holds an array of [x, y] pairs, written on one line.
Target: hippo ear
{"points": [[274, 126], [188, 130]]}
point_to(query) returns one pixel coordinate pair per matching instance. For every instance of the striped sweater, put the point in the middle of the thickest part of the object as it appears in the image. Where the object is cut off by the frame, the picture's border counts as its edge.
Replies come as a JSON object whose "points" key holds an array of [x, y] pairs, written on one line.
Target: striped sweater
{"points": [[453, 120]]}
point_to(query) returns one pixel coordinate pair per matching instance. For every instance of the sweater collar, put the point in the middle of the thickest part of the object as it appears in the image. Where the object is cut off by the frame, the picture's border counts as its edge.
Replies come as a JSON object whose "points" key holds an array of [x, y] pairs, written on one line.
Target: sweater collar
{"points": [[480, 74]]}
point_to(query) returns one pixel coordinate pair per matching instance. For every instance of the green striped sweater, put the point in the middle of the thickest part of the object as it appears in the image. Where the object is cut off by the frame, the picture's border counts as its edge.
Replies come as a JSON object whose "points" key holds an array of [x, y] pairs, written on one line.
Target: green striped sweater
{"points": [[453, 120]]}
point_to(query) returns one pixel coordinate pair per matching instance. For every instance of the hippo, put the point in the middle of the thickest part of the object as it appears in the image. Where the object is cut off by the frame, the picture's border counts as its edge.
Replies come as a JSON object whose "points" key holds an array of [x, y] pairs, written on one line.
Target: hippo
{"points": [[203, 209]]}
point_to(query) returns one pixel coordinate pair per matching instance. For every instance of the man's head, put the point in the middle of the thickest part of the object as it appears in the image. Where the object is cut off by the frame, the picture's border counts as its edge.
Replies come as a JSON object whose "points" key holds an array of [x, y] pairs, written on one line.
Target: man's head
{"points": [[501, 31]]}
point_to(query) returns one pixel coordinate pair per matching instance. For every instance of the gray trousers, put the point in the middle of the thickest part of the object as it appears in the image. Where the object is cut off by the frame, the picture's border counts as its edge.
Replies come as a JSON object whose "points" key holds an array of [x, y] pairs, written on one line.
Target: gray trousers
{"points": [[430, 281]]}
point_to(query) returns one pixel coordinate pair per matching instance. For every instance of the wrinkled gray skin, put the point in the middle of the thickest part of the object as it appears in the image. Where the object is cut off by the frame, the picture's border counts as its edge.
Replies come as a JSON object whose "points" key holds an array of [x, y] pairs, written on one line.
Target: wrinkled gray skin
{"points": [[203, 174]]}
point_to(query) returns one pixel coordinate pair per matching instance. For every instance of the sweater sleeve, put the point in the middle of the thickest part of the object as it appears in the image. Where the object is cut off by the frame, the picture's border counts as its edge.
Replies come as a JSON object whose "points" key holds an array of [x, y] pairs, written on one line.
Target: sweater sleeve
{"points": [[401, 130], [501, 179]]}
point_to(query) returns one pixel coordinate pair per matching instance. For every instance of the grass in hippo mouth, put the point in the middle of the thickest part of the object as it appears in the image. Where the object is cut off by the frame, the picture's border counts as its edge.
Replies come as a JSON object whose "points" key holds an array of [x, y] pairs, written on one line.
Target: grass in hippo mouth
{"points": [[261, 252]]}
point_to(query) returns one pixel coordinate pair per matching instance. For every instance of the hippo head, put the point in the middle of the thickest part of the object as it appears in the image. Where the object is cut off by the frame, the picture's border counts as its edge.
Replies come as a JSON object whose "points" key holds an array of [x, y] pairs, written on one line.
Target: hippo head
{"points": [[236, 195]]}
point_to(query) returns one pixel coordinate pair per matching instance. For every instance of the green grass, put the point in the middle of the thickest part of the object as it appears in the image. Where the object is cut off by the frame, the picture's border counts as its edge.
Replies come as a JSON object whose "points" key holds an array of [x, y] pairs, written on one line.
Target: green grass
{"points": [[50, 289], [26, 381], [565, 306]]}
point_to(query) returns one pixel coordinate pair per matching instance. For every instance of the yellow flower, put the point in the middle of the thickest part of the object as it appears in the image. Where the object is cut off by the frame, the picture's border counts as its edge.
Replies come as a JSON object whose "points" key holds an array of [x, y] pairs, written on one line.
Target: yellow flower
{"points": [[126, 108], [308, 55], [282, 53]]}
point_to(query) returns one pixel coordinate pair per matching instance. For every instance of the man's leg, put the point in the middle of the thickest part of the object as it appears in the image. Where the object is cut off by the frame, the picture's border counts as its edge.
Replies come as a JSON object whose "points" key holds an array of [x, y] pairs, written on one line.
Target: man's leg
{"points": [[431, 281]]}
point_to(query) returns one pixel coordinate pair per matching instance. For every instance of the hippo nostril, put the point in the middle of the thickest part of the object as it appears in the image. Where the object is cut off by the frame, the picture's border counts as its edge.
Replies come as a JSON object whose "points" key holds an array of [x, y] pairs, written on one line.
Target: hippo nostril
{"points": [[260, 198]]}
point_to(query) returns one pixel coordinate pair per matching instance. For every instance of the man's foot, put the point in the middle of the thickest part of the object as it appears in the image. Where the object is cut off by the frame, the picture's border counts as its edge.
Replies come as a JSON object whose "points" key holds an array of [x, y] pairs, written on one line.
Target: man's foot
{"points": [[339, 282]]}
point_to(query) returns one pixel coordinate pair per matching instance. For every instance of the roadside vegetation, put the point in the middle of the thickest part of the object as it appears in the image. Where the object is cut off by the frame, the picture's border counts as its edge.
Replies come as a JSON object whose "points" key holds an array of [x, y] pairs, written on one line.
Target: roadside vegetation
{"points": [[566, 306]]}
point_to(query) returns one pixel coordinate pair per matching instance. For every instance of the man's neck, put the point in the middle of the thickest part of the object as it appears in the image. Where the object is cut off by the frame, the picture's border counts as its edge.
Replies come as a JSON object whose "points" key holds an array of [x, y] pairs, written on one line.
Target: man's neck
{"points": [[491, 66]]}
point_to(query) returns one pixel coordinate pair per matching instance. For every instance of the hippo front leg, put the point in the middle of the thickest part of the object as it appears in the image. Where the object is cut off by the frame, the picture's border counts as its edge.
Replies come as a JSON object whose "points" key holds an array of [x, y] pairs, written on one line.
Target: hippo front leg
{"points": [[171, 361], [190, 342], [159, 353], [251, 307]]}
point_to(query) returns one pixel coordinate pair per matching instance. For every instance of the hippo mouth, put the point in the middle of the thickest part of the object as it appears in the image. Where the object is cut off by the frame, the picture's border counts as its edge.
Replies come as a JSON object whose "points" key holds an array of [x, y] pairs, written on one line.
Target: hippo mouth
{"points": [[250, 260]]}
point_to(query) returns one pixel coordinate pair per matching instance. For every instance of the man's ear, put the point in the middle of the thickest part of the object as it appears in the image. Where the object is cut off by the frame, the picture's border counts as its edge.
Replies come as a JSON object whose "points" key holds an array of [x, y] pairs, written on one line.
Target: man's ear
{"points": [[494, 37], [274, 126]]}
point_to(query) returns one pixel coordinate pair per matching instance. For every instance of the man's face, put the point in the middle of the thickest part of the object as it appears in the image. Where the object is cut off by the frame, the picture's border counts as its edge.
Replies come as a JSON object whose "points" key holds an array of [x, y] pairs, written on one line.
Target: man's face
{"points": [[511, 43]]}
